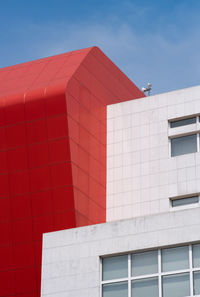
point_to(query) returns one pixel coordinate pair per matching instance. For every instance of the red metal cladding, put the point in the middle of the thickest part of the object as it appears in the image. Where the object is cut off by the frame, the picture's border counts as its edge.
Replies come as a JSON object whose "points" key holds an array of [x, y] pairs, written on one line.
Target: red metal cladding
{"points": [[52, 155]]}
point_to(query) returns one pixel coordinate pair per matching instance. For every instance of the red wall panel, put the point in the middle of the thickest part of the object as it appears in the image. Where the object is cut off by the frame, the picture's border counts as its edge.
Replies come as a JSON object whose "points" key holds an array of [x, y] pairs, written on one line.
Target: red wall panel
{"points": [[52, 155]]}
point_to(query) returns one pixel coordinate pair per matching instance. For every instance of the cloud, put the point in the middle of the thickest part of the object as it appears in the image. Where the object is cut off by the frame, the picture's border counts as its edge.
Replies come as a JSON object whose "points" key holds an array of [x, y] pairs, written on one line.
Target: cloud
{"points": [[165, 51], [168, 63]]}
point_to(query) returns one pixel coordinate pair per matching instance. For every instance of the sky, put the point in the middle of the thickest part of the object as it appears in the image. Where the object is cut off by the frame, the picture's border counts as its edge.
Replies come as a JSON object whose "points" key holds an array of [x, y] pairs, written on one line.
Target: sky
{"points": [[155, 41]]}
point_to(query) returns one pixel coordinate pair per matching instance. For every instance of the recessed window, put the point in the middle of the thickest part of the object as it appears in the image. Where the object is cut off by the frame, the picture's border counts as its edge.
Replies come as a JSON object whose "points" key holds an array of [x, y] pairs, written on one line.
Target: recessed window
{"points": [[183, 122], [168, 272], [185, 140], [183, 145], [184, 201]]}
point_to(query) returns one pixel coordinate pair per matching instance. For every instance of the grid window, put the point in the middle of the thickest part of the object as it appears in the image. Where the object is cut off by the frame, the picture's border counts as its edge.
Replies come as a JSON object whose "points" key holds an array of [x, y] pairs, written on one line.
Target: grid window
{"points": [[196, 255], [145, 287], [168, 272], [176, 285], [144, 263], [115, 290], [115, 267], [184, 136], [175, 258], [197, 283]]}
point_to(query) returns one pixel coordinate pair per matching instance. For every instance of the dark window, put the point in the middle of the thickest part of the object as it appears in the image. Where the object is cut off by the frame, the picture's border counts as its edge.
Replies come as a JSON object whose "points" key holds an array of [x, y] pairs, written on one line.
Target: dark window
{"points": [[184, 145], [183, 122], [185, 201]]}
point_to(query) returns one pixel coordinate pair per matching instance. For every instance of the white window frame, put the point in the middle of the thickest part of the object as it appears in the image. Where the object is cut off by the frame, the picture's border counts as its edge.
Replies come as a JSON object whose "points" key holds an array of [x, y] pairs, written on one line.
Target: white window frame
{"points": [[186, 206], [159, 274], [185, 130]]}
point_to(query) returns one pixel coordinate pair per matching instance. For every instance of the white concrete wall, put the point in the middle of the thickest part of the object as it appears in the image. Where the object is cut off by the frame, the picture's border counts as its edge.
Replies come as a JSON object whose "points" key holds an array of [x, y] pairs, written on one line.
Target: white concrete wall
{"points": [[141, 175], [71, 258]]}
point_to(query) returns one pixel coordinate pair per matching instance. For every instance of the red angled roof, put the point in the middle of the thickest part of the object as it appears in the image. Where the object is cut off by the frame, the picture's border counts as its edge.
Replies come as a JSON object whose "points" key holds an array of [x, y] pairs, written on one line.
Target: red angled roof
{"points": [[40, 73], [58, 70], [52, 155]]}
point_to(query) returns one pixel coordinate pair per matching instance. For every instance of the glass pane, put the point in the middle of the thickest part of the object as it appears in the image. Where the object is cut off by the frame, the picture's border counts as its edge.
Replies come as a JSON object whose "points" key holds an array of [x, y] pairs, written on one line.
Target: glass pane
{"points": [[177, 285], [196, 283], [144, 263], [196, 255], [116, 290], [183, 122], [175, 258], [115, 267], [183, 145], [145, 287], [185, 201]]}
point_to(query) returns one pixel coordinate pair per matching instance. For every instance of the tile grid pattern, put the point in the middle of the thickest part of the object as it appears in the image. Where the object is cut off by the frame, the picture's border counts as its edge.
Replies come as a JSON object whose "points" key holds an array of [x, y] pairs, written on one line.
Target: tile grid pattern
{"points": [[141, 176], [71, 258], [52, 155]]}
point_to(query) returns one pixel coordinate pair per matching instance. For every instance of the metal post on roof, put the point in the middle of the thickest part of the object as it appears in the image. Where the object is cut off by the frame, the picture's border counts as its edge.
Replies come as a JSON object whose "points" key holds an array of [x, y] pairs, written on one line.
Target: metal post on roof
{"points": [[147, 89]]}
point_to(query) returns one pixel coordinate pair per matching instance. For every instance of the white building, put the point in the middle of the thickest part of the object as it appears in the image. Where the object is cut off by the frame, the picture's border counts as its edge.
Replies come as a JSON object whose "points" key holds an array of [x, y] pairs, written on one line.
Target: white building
{"points": [[150, 244]]}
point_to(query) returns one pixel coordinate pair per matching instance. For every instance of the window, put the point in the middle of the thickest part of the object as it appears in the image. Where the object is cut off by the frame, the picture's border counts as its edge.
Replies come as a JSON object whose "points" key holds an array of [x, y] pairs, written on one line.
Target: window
{"points": [[183, 145], [182, 201], [115, 267], [167, 272], [184, 122], [184, 136]]}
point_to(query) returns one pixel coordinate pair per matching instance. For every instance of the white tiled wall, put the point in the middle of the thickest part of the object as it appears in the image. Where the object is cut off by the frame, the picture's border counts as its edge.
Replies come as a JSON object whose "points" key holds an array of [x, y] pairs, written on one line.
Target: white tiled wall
{"points": [[71, 258], [141, 176]]}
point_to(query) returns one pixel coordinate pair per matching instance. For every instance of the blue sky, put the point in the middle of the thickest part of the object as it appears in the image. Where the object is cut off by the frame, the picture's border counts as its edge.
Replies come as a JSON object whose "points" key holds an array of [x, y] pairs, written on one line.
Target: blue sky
{"points": [[156, 41]]}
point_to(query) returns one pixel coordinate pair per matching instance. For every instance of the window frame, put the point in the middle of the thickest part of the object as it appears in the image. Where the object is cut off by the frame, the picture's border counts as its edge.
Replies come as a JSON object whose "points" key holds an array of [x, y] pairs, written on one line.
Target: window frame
{"points": [[185, 206], [182, 136], [159, 275], [184, 130], [183, 119]]}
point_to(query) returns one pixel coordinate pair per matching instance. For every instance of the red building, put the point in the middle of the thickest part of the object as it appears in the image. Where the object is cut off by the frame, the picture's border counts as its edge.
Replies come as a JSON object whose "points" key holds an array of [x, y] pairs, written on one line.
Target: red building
{"points": [[52, 155]]}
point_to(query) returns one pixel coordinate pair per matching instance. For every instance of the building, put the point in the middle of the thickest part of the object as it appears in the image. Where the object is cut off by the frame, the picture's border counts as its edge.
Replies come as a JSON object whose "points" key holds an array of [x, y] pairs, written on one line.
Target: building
{"points": [[150, 243], [52, 155], [113, 182]]}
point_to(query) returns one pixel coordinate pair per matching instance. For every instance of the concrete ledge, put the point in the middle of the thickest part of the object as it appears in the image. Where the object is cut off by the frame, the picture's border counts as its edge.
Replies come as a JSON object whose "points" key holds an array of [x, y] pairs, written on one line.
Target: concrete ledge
{"points": [[71, 257]]}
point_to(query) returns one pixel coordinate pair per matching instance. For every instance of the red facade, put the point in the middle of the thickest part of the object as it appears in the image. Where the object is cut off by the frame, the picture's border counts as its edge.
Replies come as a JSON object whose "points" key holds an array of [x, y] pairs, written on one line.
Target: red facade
{"points": [[52, 155]]}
